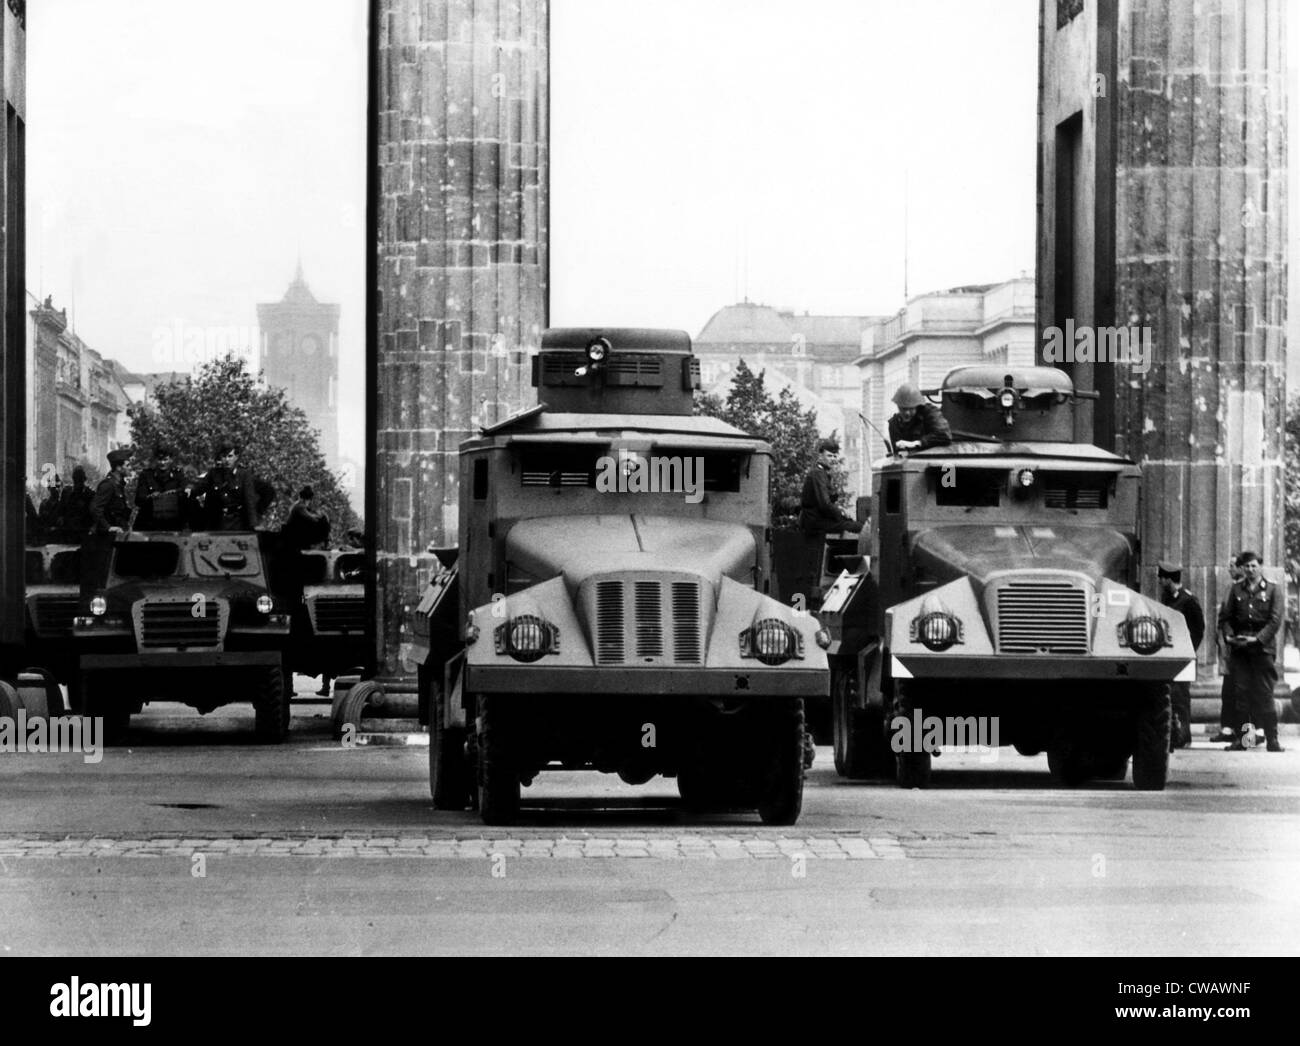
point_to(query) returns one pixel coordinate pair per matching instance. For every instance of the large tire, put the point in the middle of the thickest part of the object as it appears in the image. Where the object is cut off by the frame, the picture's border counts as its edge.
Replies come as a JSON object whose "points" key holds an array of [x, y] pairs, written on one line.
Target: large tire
{"points": [[10, 702], [352, 708], [911, 769], [860, 748], [1151, 745], [781, 778], [271, 706], [98, 702], [498, 769], [1068, 764], [449, 773]]}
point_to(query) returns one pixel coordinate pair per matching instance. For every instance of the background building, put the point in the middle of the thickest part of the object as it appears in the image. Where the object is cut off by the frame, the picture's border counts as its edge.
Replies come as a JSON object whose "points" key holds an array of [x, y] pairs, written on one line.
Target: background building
{"points": [[984, 323], [299, 352], [78, 401], [811, 355]]}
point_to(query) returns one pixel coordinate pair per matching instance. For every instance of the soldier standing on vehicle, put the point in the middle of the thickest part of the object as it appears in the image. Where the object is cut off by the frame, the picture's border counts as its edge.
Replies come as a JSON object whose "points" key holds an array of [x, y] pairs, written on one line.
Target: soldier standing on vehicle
{"points": [[1249, 621], [818, 512], [1174, 596], [160, 493], [109, 512], [230, 495], [305, 528], [918, 423]]}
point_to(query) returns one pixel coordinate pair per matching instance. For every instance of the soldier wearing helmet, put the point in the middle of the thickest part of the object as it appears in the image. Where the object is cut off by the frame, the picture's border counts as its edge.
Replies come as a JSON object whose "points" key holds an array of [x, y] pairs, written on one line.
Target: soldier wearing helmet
{"points": [[918, 424]]}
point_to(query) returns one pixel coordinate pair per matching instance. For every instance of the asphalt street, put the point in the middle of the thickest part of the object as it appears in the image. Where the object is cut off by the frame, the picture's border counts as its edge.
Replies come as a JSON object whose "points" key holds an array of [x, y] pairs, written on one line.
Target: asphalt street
{"points": [[194, 840]]}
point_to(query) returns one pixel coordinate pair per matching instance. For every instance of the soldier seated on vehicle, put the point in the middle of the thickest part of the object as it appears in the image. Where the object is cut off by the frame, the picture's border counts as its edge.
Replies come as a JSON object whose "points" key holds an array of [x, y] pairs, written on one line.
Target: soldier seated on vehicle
{"points": [[73, 522], [160, 493], [918, 423]]}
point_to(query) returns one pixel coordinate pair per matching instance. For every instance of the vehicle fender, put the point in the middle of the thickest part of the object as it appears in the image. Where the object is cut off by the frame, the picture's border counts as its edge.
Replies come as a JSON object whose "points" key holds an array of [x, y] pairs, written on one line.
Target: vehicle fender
{"points": [[957, 598]]}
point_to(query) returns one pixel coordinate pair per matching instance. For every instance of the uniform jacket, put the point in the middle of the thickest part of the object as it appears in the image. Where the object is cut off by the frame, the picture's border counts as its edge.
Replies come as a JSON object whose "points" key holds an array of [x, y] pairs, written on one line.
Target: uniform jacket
{"points": [[155, 481], [1190, 607], [818, 513], [1253, 611], [108, 508], [230, 500], [927, 425]]}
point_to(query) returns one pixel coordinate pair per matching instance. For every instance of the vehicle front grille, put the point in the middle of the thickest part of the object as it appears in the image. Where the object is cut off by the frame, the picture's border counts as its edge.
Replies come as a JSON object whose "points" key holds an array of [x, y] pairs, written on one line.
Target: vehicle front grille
{"points": [[337, 614], [1042, 617], [643, 623], [52, 615], [173, 625], [609, 623]]}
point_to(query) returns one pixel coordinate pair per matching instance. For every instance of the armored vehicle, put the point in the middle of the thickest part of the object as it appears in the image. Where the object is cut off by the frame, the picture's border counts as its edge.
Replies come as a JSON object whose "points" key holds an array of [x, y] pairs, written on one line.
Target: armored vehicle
{"points": [[329, 620], [608, 606], [183, 616], [1002, 591], [53, 575]]}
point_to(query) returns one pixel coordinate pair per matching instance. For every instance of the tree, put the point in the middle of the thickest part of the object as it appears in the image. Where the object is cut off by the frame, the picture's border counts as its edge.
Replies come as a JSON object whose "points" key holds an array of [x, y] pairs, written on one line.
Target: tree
{"points": [[788, 427], [224, 402]]}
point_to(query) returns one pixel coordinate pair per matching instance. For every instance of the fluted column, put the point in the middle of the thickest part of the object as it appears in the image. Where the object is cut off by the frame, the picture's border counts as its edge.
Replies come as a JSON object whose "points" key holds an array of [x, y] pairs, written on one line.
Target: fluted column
{"points": [[1201, 240], [462, 263]]}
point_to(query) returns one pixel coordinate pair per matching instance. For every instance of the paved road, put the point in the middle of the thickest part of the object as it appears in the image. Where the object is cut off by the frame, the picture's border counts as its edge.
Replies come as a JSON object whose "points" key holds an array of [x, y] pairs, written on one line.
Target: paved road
{"points": [[194, 840]]}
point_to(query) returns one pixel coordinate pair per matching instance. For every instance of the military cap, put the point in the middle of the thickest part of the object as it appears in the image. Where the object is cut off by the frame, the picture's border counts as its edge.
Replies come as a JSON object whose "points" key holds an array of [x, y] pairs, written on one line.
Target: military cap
{"points": [[828, 444], [118, 457], [908, 395], [1172, 571]]}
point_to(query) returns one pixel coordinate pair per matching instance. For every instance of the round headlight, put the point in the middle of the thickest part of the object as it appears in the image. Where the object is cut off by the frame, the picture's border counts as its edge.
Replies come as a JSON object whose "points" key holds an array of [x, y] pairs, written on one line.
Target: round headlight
{"points": [[1025, 477], [774, 641], [1007, 399], [527, 638], [98, 606], [937, 630], [265, 604], [1145, 635], [598, 350]]}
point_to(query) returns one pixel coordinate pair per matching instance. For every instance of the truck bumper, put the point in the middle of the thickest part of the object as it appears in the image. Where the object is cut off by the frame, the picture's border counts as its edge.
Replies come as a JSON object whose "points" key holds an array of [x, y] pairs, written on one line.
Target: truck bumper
{"points": [[208, 660], [533, 679], [1043, 669]]}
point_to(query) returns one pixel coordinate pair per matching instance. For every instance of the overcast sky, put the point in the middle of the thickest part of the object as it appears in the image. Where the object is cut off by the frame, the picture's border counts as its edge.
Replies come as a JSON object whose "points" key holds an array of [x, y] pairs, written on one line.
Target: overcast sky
{"points": [[181, 154]]}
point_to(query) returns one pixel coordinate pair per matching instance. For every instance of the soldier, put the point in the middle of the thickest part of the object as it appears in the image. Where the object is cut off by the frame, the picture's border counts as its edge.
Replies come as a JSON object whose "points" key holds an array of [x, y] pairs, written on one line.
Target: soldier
{"points": [[1174, 596], [918, 424], [1249, 621], [305, 528], [818, 513], [1227, 701], [74, 509], [160, 493], [232, 499], [109, 512]]}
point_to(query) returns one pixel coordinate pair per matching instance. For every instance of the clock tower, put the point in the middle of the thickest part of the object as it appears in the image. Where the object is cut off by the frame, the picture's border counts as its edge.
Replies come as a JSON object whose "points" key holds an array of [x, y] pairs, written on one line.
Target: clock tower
{"points": [[299, 350]]}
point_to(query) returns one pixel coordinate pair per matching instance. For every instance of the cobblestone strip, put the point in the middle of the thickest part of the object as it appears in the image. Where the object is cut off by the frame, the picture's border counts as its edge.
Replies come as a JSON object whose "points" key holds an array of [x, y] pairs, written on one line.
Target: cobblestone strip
{"points": [[659, 847]]}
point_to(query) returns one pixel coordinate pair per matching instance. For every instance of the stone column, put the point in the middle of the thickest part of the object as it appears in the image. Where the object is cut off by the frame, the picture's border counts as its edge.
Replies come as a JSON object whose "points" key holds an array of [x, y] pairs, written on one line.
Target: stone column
{"points": [[1201, 259], [461, 204]]}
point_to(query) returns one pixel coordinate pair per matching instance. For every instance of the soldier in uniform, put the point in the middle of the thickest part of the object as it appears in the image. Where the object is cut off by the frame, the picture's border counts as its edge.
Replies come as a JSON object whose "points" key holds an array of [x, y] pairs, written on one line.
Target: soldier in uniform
{"points": [[232, 499], [160, 493], [1227, 700], [50, 506], [818, 513], [918, 423], [109, 511], [1249, 620], [1174, 596]]}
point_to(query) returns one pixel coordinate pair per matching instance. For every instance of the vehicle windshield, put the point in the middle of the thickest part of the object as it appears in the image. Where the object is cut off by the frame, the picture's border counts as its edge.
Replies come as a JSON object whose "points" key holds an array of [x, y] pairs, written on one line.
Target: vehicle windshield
{"points": [[65, 567], [146, 559], [658, 471]]}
